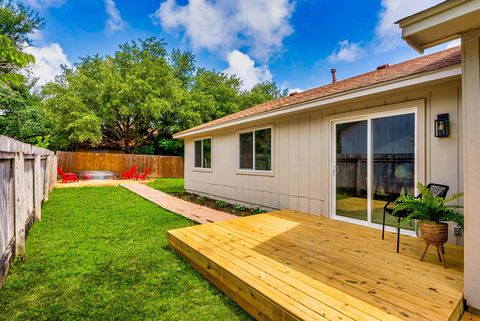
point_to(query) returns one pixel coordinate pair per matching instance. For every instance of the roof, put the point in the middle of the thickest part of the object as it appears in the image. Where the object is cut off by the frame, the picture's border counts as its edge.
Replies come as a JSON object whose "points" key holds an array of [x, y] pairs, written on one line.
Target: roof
{"points": [[412, 67]]}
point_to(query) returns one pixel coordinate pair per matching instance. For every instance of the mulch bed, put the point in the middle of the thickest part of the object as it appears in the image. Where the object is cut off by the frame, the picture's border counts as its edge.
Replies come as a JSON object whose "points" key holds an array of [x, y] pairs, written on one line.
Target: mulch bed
{"points": [[238, 210]]}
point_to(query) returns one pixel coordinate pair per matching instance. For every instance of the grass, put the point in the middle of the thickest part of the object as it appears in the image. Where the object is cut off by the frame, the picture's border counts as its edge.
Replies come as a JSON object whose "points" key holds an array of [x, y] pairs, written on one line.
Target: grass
{"points": [[100, 253], [168, 185]]}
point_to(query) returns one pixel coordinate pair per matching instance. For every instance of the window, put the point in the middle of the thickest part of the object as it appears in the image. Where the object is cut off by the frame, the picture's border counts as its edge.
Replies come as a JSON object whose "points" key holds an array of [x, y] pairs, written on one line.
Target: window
{"points": [[256, 150], [203, 153]]}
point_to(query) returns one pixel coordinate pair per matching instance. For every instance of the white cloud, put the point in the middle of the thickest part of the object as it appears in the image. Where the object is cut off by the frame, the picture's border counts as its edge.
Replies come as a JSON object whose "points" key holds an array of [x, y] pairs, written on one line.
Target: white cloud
{"points": [[346, 52], [115, 21], [224, 25], [388, 34], [49, 60], [453, 43], [243, 66], [43, 4]]}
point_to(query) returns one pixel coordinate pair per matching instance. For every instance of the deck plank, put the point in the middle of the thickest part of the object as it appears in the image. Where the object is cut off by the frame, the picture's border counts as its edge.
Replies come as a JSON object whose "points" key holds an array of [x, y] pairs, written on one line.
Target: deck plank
{"points": [[288, 265]]}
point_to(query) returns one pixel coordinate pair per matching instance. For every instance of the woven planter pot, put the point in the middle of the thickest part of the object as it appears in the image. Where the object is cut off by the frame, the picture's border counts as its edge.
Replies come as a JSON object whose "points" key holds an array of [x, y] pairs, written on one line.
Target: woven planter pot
{"points": [[434, 233]]}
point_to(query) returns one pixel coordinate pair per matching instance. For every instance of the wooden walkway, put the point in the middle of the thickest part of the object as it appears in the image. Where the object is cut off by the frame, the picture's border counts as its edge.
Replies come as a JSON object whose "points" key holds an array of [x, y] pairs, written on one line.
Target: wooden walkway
{"points": [[192, 211], [288, 265]]}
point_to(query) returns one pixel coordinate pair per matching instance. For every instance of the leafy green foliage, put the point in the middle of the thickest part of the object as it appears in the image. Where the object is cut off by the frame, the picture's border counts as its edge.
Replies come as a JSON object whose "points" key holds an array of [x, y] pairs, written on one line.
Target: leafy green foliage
{"points": [[221, 203], [257, 210], [138, 98], [239, 208], [101, 253], [430, 208], [21, 116], [17, 23]]}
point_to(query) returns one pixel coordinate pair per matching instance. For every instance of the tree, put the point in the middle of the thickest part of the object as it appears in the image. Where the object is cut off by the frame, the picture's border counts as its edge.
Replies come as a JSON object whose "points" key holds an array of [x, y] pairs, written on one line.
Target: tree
{"points": [[137, 98], [17, 23], [260, 93], [22, 118], [20, 114], [117, 99]]}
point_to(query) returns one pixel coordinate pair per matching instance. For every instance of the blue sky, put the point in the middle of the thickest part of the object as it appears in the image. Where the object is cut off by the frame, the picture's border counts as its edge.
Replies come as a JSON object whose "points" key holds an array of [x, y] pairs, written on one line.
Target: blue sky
{"points": [[294, 43]]}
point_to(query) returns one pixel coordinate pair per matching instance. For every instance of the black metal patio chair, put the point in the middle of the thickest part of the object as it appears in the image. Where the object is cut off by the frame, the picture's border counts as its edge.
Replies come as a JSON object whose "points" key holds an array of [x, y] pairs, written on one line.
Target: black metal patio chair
{"points": [[438, 190]]}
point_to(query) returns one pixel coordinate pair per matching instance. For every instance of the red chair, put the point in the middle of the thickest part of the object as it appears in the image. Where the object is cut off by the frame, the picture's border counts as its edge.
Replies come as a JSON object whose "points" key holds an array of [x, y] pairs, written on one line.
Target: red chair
{"points": [[67, 177], [130, 174], [142, 176]]}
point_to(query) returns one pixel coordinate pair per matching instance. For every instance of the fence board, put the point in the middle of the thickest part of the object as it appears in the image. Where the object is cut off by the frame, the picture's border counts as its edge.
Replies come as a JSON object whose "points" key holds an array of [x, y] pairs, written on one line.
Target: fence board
{"points": [[18, 181], [161, 166]]}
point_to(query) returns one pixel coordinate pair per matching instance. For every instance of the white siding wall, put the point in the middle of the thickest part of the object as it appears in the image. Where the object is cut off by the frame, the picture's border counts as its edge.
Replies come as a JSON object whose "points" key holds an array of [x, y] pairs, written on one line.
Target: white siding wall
{"points": [[301, 166]]}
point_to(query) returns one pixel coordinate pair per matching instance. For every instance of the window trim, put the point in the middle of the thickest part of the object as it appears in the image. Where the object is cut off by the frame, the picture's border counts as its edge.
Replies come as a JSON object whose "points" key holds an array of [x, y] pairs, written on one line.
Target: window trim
{"points": [[253, 171], [202, 169]]}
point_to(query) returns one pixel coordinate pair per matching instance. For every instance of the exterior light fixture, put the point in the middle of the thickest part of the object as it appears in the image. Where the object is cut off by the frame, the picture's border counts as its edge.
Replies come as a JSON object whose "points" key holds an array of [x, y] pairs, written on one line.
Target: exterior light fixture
{"points": [[441, 125]]}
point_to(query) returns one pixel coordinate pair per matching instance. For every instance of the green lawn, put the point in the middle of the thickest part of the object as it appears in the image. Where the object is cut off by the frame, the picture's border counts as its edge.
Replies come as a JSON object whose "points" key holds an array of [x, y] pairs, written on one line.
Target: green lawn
{"points": [[101, 253], [168, 185]]}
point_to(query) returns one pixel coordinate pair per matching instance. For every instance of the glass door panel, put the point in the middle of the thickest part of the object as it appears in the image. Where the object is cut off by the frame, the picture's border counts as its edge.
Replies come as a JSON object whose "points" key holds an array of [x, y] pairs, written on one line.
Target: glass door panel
{"points": [[351, 170], [393, 162]]}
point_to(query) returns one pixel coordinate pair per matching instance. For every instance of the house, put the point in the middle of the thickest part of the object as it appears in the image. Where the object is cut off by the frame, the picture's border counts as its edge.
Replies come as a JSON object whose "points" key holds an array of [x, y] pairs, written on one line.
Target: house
{"points": [[342, 149]]}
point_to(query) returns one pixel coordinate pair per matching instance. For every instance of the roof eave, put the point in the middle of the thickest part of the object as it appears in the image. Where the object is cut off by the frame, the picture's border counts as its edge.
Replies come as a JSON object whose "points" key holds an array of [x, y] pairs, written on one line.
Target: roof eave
{"points": [[441, 23], [418, 79]]}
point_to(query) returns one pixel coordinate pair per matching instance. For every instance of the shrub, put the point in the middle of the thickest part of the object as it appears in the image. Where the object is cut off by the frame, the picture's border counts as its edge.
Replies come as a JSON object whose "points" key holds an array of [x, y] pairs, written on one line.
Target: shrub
{"points": [[257, 210], [239, 208], [221, 203]]}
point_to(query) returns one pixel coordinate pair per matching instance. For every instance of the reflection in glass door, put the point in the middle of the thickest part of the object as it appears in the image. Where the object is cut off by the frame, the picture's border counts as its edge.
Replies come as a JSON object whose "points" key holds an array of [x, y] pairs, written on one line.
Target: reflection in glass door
{"points": [[374, 159], [351, 170], [393, 156]]}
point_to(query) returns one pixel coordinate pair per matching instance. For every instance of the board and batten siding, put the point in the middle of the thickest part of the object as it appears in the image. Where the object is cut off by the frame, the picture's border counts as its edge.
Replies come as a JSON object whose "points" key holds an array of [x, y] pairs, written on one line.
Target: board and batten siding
{"points": [[300, 178]]}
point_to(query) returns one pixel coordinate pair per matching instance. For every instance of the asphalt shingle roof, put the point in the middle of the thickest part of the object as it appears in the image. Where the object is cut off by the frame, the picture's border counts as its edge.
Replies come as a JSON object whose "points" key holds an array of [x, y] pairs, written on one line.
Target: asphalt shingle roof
{"points": [[407, 68]]}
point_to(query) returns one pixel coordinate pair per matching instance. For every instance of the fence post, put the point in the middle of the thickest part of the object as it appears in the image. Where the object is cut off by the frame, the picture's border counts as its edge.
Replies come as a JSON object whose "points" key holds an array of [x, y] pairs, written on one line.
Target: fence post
{"points": [[20, 206], [47, 178], [37, 187]]}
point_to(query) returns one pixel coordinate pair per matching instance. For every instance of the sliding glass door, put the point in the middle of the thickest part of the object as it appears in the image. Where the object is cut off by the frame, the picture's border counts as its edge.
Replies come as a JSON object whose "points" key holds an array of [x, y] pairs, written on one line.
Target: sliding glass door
{"points": [[351, 170], [374, 158]]}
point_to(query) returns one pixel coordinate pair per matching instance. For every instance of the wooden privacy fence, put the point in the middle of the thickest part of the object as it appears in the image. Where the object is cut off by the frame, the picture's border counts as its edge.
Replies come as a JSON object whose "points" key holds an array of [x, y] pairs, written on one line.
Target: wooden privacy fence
{"points": [[161, 166], [27, 175]]}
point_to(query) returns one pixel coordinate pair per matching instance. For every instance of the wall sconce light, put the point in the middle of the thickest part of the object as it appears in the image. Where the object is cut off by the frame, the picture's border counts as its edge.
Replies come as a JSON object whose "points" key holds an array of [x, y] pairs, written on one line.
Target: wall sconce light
{"points": [[441, 125]]}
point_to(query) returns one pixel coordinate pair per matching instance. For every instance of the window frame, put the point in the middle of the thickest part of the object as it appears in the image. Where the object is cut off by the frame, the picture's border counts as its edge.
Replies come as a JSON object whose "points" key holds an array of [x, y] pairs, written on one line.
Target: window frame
{"points": [[202, 168], [248, 171]]}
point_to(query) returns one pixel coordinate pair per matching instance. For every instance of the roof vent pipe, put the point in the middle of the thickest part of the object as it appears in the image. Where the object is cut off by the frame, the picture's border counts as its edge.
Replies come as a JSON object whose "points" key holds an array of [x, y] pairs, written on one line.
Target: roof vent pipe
{"points": [[334, 75]]}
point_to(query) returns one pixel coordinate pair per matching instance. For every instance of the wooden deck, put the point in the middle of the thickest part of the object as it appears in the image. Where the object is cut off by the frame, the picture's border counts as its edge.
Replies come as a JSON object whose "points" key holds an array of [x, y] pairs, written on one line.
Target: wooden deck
{"points": [[288, 265]]}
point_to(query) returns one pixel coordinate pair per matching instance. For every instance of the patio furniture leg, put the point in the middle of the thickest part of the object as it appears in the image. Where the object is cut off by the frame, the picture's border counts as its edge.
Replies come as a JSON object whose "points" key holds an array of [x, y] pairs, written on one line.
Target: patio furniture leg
{"points": [[425, 252], [383, 225], [398, 235], [443, 258], [438, 252], [443, 250]]}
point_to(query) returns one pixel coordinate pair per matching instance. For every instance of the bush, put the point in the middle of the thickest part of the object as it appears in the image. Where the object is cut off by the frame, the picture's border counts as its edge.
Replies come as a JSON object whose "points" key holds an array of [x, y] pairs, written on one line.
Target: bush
{"points": [[257, 210], [239, 208], [221, 203]]}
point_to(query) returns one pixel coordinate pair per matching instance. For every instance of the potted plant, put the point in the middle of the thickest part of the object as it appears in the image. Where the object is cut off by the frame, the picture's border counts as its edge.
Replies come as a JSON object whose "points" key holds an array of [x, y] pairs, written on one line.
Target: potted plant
{"points": [[432, 213]]}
